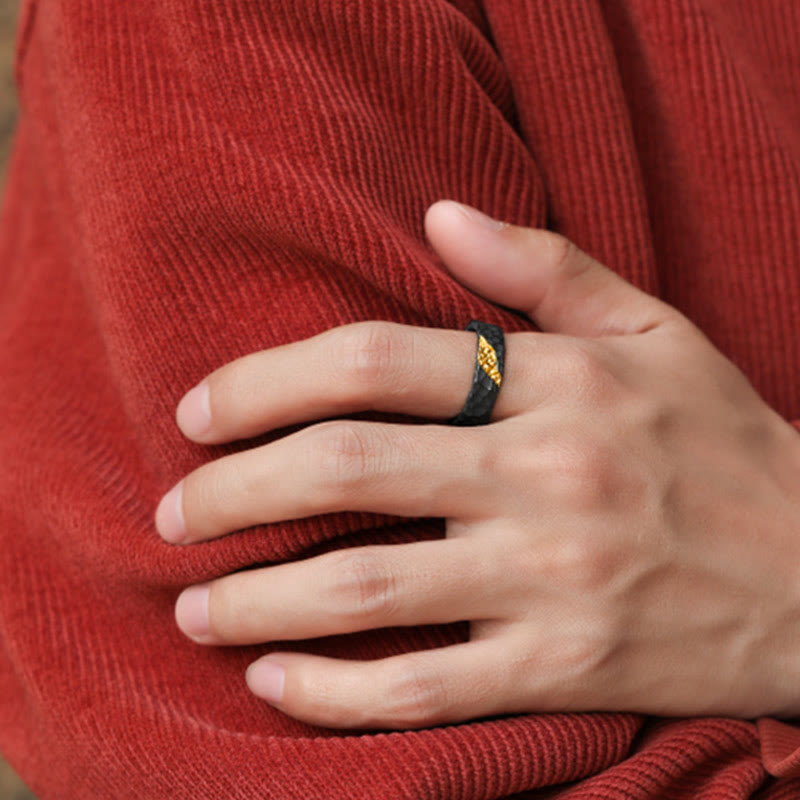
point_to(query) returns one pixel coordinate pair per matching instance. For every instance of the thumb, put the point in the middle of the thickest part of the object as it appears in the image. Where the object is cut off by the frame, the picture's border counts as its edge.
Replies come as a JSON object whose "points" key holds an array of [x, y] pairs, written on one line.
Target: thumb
{"points": [[561, 288]]}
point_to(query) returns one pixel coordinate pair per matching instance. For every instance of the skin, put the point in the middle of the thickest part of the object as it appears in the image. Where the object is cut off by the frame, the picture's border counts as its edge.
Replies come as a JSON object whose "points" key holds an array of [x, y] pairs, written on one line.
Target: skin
{"points": [[623, 535]]}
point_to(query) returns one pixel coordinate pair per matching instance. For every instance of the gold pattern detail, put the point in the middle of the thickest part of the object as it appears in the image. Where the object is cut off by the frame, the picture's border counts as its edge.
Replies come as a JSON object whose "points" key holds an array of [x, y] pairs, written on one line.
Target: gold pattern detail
{"points": [[487, 358]]}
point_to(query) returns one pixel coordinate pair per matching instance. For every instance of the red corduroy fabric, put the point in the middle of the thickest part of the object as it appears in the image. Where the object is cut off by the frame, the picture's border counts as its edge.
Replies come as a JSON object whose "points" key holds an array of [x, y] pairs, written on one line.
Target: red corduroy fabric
{"points": [[194, 180]]}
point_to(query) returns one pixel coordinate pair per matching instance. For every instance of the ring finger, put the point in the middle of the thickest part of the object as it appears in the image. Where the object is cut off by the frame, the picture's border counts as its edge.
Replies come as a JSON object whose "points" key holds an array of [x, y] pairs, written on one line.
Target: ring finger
{"points": [[355, 589]]}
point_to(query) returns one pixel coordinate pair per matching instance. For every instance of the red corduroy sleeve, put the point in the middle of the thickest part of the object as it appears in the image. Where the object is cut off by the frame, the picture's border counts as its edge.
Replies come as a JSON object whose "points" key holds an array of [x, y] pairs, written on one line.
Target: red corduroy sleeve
{"points": [[192, 182], [195, 180]]}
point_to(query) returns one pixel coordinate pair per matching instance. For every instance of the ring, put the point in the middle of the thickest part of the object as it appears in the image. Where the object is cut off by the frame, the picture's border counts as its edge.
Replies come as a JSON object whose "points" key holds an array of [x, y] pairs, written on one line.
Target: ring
{"points": [[487, 377]]}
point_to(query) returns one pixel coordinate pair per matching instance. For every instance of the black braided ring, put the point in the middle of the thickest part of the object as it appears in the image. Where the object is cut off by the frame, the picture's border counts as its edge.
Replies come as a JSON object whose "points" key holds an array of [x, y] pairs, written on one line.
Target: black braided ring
{"points": [[488, 375]]}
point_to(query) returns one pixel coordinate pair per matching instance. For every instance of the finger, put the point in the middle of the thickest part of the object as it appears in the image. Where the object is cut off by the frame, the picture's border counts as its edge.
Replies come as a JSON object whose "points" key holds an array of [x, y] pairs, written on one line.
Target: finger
{"points": [[338, 465], [382, 366], [355, 589], [561, 288], [432, 687]]}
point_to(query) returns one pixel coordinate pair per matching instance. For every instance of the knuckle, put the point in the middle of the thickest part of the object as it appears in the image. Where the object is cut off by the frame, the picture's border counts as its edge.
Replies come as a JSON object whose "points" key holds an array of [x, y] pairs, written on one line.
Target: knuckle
{"points": [[490, 460], [561, 250], [657, 421], [417, 696], [587, 374], [567, 260], [341, 455], [500, 461], [363, 585], [364, 353], [587, 565], [585, 474]]}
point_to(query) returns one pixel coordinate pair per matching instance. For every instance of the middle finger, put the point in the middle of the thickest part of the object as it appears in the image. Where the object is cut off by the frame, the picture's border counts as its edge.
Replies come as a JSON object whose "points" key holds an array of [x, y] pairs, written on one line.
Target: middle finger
{"points": [[340, 465], [363, 366]]}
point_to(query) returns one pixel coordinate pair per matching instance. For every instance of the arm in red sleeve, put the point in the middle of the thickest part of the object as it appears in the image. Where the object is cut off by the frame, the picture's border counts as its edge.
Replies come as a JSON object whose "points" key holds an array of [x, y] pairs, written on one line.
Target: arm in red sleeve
{"points": [[194, 180]]}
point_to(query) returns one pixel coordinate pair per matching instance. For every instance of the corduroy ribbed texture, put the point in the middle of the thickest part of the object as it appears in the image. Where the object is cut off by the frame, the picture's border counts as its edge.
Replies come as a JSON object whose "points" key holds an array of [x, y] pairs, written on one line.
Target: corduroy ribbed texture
{"points": [[194, 180]]}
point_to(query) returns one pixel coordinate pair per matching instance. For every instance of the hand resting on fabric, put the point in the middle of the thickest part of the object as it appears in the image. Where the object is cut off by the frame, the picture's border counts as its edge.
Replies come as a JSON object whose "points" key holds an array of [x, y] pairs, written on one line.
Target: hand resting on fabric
{"points": [[624, 535]]}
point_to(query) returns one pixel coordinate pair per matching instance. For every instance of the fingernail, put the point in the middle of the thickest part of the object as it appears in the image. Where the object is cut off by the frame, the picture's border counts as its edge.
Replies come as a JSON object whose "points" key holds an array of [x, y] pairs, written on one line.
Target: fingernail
{"points": [[473, 215], [191, 611], [169, 515], [194, 411], [266, 679]]}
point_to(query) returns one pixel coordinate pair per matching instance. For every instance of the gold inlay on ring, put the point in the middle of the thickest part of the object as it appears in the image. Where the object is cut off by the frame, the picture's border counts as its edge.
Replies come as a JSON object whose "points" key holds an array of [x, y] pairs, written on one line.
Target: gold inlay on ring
{"points": [[487, 358]]}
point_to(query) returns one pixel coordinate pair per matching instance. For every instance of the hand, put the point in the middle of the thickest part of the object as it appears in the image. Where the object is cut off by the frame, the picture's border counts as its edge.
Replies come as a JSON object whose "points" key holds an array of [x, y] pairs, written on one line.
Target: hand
{"points": [[624, 535]]}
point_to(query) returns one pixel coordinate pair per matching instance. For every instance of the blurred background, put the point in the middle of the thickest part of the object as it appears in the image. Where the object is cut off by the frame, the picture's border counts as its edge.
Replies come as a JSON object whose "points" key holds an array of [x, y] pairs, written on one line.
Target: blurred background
{"points": [[8, 20], [11, 788]]}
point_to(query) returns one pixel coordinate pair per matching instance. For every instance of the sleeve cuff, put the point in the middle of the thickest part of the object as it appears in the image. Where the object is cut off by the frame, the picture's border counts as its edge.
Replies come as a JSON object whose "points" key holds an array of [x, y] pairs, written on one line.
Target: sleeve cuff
{"points": [[780, 747], [780, 740]]}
